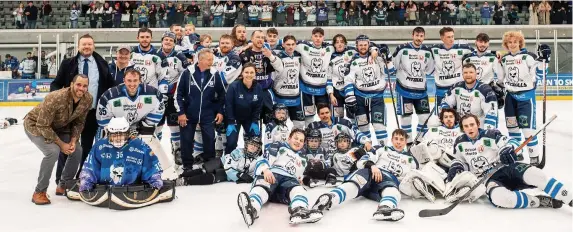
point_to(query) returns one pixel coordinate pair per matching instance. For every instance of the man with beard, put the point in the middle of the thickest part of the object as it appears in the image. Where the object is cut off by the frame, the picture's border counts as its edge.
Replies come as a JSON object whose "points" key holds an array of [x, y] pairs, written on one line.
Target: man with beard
{"points": [[239, 35], [173, 63], [55, 125], [487, 66], [471, 96], [145, 59], [264, 69]]}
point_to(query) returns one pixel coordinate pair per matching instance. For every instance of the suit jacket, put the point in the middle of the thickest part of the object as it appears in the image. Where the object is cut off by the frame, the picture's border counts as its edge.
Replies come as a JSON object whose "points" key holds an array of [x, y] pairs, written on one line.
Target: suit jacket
{"points": [[56, 115], [69, 69]]}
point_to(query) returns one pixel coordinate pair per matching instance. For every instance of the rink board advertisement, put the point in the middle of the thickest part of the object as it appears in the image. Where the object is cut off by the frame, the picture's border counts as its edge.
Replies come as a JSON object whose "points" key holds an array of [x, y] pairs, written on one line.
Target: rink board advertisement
{"points": [[31, 92]]}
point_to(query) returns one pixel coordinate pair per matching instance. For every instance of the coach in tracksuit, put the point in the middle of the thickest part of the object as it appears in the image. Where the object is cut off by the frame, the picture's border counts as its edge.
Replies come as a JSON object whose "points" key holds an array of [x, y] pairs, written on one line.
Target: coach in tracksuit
{"points": [[199, 99], [243, 107]]}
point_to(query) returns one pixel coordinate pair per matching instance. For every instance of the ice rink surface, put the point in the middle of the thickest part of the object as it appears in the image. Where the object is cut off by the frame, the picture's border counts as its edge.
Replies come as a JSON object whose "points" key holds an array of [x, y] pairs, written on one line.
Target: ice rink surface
{"points": [[214, 208]]}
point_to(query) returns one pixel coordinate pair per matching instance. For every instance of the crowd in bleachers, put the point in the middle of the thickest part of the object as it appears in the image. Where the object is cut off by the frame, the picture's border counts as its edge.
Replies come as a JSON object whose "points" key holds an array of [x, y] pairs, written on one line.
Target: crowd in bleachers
{"points": [[127, 14]]}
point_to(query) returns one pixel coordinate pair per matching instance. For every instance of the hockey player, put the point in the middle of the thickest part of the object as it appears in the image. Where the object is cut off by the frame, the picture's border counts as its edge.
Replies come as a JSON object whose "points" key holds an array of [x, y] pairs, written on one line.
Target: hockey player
{"points": [[173, 63], [116, 170], [471, 96], [27, 68], [477, 151], [273, 40], [448, 62], [239, 35], [315, 56], [318, 165], [345, 157], [145, 59], [243, 106], [413, 62], [329, 129], [520, 72], [286, 80], [277, 130], [364, 91], [487, 66], [337, 68], [376, 179], [240, 164], [278, 176], [264, 70]]}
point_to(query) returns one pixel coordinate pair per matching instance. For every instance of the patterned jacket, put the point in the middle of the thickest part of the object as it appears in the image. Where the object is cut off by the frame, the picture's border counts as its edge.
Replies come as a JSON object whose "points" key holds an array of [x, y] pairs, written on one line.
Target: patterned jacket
{"points": [[56, 115]]}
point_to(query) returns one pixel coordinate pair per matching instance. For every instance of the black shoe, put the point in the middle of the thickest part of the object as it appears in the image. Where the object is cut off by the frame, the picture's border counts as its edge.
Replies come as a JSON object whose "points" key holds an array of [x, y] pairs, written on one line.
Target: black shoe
{"points": [[548, 202], [385, 213]]}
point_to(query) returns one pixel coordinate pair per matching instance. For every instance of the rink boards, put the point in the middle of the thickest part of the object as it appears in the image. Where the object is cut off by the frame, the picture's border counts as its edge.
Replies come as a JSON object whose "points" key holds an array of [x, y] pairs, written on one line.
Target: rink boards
{"points": [[32, 92]]}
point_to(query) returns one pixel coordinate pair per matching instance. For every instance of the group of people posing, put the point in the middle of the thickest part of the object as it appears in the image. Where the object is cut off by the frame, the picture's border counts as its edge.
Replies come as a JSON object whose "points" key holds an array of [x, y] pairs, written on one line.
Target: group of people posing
{"points": [[207, 95]]}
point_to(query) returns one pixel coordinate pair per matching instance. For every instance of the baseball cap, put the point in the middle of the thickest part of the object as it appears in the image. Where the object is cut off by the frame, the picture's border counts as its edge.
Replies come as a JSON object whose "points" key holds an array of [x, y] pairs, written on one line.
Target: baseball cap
{"points": [[123, 47]]}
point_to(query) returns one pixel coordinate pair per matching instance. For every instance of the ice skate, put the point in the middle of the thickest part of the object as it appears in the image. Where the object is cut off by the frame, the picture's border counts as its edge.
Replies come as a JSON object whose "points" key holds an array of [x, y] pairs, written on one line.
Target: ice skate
{"points": [[548, 202], [324, 202], [301, 215], [385, 213], [423, 188], [330, 181], [247, 210]]}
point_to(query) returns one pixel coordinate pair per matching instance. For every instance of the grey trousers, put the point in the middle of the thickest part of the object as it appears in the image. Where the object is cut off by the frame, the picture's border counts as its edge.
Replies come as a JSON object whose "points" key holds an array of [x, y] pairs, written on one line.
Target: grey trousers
{"points": [[51, 152]]}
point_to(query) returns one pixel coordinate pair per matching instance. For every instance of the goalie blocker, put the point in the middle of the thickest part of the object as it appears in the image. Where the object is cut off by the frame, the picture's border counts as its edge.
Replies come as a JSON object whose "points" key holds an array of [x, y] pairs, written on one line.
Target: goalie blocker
{"points": [[121, 197]]}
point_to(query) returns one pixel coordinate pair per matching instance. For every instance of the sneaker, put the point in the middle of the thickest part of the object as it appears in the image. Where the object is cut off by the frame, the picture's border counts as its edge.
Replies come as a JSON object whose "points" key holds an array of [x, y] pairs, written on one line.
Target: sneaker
{"points": [[40, 198], [385, 213], [548, 202], [324, 202]]}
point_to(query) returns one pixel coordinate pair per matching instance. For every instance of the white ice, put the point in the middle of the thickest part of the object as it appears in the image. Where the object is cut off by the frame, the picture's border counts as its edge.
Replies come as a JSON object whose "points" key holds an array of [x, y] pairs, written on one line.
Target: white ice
{"points": [[214, 208]]}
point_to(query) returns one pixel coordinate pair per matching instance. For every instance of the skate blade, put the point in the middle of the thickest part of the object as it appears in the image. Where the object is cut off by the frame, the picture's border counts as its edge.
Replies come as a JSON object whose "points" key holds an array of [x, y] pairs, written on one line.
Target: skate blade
{"points": [[243, 202], [321, 204], [394, 216], [418, 185], [311, 219]]}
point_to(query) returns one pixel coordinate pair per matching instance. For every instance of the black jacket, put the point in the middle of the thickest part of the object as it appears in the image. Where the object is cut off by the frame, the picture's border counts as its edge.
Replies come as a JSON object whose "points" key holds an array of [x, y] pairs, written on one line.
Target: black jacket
{"points": [[69, 69]]}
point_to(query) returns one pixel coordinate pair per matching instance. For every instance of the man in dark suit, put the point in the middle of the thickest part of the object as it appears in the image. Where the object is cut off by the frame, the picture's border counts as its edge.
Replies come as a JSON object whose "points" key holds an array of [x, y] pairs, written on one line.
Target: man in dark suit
{"points": [[91, 64]]}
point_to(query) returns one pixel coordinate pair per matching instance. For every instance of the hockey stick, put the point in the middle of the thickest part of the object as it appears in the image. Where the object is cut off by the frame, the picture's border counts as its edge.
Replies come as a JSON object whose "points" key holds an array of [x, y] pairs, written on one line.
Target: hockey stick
{"points": [[391, 91], [424, 125], [487, 175], [541, 164]]}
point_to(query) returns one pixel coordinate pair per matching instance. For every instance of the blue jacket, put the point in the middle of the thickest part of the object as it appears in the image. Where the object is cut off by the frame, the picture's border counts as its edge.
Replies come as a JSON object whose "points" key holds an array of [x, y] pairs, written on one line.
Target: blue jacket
{"points": [[242, 103], [485, 11], [200, 101], [11, 64], [117, 73]]}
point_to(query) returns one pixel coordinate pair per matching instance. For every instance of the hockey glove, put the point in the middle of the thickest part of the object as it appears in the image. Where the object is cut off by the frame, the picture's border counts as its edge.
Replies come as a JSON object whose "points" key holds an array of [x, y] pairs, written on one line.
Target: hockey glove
{"points": [[359, 153], [544, 52], [499, 94], [255, 129], [454, 170], [244, 178], [230, 129], [507, 155], [155, 181], [384, 52], [350, 102], [12, 121]]}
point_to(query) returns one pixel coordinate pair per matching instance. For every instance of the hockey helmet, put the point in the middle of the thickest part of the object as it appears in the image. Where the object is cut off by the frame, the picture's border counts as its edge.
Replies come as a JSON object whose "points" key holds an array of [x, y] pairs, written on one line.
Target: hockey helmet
{"points": [[253, 146], [280, 112], [118, 131], [313, 139], [342, 137]]}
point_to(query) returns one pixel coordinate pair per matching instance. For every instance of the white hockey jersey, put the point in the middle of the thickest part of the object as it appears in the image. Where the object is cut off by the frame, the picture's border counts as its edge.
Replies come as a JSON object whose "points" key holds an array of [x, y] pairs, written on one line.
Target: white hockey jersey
{"points": [[281, 159], [448, 64], [286, 76], [481, 154], [173, 65], [366, 77], [330, 132], [229, 65], [487, 65], [388, 159], [345, 163], [412, 65], [276, 133], [338, 67], [147, 105], [27, 66], [519, 73], [149, 65], [479, 100], [444, 137], [314, 67], [319, 156], [237, 163]]}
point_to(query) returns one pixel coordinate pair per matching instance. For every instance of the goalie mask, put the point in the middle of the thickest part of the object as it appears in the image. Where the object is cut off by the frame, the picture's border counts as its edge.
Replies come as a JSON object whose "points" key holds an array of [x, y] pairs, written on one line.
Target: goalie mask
{"points": [[253, 147], [280, 112], [342, 142], [313, 138], [118, 131]]}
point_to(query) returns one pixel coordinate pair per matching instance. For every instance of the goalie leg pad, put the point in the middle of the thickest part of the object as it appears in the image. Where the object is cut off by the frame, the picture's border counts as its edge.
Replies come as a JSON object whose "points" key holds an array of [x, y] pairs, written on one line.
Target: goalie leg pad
{"points": [[166, 161], [460, 185], [137, 196], [99, 196], [416, 183]]}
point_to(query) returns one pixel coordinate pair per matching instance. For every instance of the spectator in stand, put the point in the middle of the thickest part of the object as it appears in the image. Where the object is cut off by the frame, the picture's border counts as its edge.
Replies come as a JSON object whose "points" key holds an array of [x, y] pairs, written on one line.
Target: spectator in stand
{"points": [[52, 67], [311, 14], [342, 15], [207, 16], [143, 15], [242, 14], [217, 9], [274, 14], [301, 10], [401, 13], [117, 13], [281, 14], [266, 15], [392, 14], [470, 13], [485, 13], [127, 15], [19, 17], [86, 4], [106, 12], [254, 11], [463, 15], [46, 14], [453, 10], [179, 16], [353, 12], [162, 15], [153, 16], [28, 67], [31, 13], [367, 11], [558, 13], [290, 12], [192, 12], [533, 11], [423, 12], [445, 14], [230, 14], [436, 12], [498, 13], [411, 11], [74, 16], [11, 64], [44, 62], [92, 14], [512, 15], [569, 16], [170, 11], [380, 14], [322, 15]]}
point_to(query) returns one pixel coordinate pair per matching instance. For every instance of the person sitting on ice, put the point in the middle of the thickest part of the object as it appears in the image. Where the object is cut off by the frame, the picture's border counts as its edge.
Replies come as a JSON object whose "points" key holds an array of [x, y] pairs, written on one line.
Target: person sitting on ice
{"points": [[121, 172]]}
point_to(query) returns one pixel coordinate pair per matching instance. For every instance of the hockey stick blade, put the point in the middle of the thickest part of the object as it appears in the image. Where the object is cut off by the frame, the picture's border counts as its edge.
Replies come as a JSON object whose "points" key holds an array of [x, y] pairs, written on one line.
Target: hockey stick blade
{"points": [[487, 175]]}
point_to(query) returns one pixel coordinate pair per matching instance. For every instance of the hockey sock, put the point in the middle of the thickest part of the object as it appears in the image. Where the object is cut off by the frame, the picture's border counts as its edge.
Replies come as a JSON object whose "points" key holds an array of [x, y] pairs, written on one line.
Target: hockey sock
{"points": [[159, 132], [342, 191], [390, 197], [220, 141], [504, 198], [308, 120], [298, 124], [532, 147], [514, 133], [259, 197], [297, 197], [421, 128], [554, 188], [406, 123], [381, 134], [365, 130]]}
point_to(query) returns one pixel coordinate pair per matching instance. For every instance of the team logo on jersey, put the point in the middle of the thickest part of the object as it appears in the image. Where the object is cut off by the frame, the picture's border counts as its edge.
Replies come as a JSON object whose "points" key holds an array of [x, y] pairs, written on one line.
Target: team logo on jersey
{"points": [[116, 173], [147, 62], [448, 67], [523, 120], [291, 77], [416, 69], [368, 74], [342, 70], [139, 105], [117, 103], [481, 148], [131, 117], [316, 65], [479, 163], [255, 97], [465, 108], [479, 71], [513, 74], [241, 96]]}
